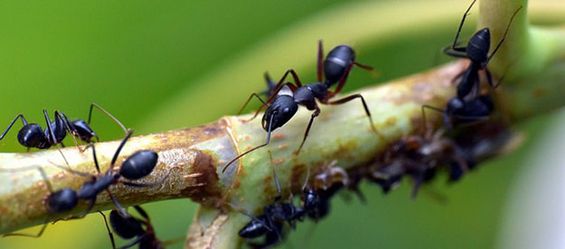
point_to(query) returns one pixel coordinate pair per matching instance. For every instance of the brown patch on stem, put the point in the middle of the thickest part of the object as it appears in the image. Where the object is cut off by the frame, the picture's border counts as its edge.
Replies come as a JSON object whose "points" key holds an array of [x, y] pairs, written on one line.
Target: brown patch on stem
{"points": [[202, 180]]}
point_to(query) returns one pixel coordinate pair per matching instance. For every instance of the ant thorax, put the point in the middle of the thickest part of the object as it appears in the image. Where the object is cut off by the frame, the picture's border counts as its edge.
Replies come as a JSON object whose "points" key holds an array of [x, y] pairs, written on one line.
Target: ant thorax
{"points": [[285, 90]]}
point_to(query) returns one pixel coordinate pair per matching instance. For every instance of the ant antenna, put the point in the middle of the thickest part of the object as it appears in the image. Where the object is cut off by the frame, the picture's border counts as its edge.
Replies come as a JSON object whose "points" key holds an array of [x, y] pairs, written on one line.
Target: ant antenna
{"points": [[110, 234], [253, 149], [107, 113], [122, 144], [461, 23], [307, 177], [275, 176], [505, 33]]}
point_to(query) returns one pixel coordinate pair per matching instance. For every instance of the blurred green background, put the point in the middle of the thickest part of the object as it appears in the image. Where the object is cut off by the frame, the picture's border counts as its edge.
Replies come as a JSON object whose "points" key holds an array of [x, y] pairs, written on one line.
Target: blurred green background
{"points": [[171, 64]]}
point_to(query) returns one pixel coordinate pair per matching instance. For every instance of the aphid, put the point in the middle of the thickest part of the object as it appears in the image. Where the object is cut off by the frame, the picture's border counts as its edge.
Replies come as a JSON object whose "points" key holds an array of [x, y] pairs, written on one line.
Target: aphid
{"points": [[31, 135], [283, 103], [130, 227], [316, 198], [419, 156], [136, 166]]}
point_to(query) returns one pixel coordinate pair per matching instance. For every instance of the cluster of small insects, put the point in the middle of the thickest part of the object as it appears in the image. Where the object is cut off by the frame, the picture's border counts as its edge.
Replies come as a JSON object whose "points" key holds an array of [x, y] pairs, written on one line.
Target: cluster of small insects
{"points": [[135, 167], [418, 157]]}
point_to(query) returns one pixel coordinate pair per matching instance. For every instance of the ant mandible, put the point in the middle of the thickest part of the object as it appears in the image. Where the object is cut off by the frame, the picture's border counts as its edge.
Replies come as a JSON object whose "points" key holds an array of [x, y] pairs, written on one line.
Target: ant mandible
{"points": [[140, 164], [31, 135], [285, 98]]}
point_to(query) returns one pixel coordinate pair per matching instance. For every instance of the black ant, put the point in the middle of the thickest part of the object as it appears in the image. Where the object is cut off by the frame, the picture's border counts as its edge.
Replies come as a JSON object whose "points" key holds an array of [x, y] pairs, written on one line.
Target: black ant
{"points": [[31, 135], [140, 164], [477, 52], [284, 100], [271, 223], [315, 205], [465, 106], [129, 227]]}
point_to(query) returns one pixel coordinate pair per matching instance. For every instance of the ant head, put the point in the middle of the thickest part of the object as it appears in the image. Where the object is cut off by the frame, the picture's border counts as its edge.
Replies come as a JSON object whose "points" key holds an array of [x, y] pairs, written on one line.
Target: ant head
{"points": [[279, 112], [338, 60], [481, 106], [139, 165], [62, 200], [478, 46], [310, 198], [32, 136], [83, 130], [125, 227], [454, 105]]}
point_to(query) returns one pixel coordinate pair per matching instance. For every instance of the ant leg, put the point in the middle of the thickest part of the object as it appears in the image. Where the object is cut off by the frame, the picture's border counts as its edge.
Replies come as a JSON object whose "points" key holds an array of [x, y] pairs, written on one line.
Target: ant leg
{"points": [[490, 81], [294, 75], [433, 108], [110, 234], [247, 102], [107, 113], [120, 147], [320, 64], [341, 82], [51, 132], [367, 112], [72, 171], [363, 66], [141, 212], [252, 149], [504, 35], [270, 85], [85, 212], [275, 177], [41, 171], [458, 52], [94, 157], [43, 227], [19, 116], [68, 127], [132, 243], [312, 117], [456, 41], [121, 210]]}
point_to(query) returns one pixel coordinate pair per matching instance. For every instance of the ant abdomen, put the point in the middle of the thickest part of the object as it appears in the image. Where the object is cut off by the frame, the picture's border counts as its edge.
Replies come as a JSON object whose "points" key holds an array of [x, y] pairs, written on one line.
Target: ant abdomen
{"points": [[125, 227], [31, 135], [139, 165], [337, 62], [479, 45]]}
